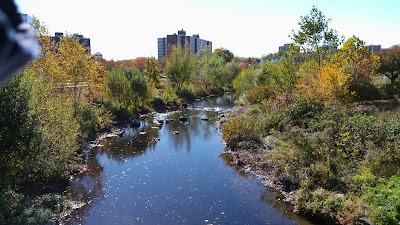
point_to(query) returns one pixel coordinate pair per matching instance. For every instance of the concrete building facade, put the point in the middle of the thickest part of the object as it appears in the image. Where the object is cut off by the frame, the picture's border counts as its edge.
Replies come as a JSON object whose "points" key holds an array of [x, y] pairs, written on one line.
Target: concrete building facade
{"points": [[284, 47], [85, 42], [377, 49], [178, 40]]}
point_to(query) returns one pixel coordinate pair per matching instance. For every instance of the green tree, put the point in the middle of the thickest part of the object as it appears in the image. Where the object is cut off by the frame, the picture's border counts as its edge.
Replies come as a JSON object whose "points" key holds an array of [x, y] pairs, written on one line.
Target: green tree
{"points": [[128, 87], [224, 53], [139, 90], [390, 65], [314, 37], [358, 64], [178, 66], [117, 87], [245, 81], [152, 71]]}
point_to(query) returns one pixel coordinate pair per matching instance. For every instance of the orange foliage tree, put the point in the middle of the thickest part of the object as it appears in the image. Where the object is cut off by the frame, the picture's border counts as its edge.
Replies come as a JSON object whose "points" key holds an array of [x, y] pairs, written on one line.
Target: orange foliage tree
{"points": [[345, 78]]}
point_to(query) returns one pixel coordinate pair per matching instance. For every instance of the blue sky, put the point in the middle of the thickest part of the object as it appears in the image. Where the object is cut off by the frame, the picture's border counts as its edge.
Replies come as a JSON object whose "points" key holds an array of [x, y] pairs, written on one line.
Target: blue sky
{"points": [[126, 29]]}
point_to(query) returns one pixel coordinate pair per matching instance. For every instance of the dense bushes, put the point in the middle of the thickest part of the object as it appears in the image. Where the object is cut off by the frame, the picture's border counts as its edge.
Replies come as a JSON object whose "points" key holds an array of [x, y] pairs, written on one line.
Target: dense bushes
{"points": [[332, 135], [92, 119], [200, 74], [128, 88], [384, 199], [42, 209], [242, 131], [328, 150], [41, 125]]}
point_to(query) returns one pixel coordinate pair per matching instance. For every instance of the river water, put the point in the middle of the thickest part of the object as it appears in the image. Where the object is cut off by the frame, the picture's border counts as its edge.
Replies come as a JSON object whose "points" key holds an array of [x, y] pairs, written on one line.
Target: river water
{"points": [[173, 175]]}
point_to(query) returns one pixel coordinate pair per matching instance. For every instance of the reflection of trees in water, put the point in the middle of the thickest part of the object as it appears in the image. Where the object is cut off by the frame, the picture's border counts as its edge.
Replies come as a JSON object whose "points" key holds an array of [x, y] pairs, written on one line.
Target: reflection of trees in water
{"points": [[208, 126], [192, 127], [225, 101], [185, 129], [86, 187], [131, 145]]}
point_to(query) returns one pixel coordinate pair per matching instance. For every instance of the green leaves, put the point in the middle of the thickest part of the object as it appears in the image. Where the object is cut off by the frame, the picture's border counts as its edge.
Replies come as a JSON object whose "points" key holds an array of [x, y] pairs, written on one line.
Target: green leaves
{"points": [[314, 37], [384, 202], [152, 71], [390, 66], [178, 66], [127, 87]]}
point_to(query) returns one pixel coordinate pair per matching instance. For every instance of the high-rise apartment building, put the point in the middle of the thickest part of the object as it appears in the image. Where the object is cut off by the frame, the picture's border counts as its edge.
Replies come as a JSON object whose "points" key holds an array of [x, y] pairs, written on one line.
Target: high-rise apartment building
{"points": [[26, 18], [85, 42], [377, 49], [194, 42]]}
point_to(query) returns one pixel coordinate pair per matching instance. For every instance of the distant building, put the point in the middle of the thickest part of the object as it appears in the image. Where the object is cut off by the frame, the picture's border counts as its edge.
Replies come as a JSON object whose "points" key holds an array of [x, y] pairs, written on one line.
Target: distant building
{"points": [[98, 56], [26, 18], [377, 49], [85, 42], [284, 48], [29, 19], [195, 43]]}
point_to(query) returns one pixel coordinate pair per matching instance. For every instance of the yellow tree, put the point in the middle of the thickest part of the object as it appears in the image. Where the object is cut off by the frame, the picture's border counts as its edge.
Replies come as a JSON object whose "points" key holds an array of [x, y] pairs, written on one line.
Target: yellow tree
{"points": [[152, 71], [332, 83], [67, 65], [79, 69], [359, 65], [346, 77]]}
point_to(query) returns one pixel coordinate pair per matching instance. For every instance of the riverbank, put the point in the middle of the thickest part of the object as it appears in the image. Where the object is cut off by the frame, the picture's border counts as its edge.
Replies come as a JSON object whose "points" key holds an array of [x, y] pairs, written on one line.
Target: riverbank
{"points": [[329, 161], [171, 182], [253, 162]]}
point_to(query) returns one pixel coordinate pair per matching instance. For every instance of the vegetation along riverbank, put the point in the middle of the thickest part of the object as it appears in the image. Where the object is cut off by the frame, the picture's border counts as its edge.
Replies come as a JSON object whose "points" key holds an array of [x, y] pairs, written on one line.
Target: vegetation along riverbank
{"points": [[321, 120], [58, 105], [322, 127]]}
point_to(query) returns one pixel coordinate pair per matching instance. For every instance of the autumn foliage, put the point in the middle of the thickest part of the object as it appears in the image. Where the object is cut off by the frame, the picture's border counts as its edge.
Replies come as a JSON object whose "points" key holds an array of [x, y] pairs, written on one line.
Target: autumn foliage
{"points": [[328, 125]]}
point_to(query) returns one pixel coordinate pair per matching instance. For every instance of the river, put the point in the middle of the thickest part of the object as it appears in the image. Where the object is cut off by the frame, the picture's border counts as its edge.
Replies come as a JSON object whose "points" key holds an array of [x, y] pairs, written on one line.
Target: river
{"points": [[173, 175]]}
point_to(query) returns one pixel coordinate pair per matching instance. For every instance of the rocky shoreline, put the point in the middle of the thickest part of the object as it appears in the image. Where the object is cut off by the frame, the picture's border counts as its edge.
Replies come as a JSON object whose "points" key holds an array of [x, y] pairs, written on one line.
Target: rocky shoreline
{"points": [[252, 162]]}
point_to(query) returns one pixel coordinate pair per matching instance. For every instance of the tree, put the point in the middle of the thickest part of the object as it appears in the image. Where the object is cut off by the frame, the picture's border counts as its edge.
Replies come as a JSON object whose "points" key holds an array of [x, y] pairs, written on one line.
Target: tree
{"points": [[390, 65], [178, 66], [140, 63], [79, 68], [224, 53], [67, 65], [138, 86], [126, 86], [116, 87], [314, 37], [358, 65], [152, 71], [347, 76], [245, 81]]}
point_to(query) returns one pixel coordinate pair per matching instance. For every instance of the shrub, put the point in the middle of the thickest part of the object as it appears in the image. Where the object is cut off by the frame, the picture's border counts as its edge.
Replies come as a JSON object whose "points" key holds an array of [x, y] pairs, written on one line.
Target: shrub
{"points": [[384, 202], [297, 113], [92, 119], [169, 95], [242, 129], [320, 202], [42, 209]]}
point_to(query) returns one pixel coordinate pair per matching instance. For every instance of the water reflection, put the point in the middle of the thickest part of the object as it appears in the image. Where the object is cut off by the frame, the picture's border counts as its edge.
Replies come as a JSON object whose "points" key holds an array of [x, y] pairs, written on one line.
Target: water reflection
{"points": [[152, 175], [86, 187]]}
